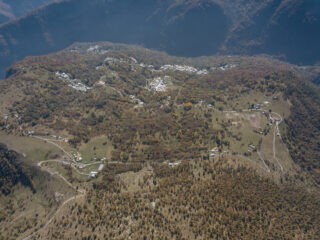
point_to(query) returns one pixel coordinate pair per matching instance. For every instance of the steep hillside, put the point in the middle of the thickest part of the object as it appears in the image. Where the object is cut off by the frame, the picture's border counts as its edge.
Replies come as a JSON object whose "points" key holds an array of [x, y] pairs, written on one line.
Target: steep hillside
{"points": [[167, 147], [11, 171], [186, 28], [282, 28], [312, 73], [191, 201], [28, 195]]}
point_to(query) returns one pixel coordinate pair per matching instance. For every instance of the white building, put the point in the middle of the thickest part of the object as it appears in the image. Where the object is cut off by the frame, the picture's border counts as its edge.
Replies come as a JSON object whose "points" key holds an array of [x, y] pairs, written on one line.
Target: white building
{"points": [[93, 174], [174, 164]]}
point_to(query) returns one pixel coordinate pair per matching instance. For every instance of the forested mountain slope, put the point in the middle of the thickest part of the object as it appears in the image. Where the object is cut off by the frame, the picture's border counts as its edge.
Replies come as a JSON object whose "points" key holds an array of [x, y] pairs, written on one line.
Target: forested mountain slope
{"points": [[11, 171], [163, 147], [175, 100]]}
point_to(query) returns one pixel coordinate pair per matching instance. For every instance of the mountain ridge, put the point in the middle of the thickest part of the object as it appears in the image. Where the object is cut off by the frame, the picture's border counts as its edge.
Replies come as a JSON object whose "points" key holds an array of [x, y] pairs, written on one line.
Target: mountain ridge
{"points": [[184, 28], [13, 9]]}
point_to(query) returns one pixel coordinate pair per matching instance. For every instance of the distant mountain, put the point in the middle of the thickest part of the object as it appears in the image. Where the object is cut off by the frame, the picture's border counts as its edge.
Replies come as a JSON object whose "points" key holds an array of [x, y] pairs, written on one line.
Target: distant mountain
{"points": [[288, 29], [5, 13], [11, 9], [279, 27]]}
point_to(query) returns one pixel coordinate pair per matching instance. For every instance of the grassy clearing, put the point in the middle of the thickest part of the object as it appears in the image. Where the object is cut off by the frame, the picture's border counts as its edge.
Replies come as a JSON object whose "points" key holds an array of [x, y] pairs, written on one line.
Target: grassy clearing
{"points": [[35, 150], [70, 174], [97, 148]]}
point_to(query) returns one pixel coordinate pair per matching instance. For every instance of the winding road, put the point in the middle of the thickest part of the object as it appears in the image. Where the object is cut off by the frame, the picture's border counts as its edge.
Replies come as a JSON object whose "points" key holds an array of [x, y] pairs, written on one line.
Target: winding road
{"points": [[264, 163], [276, 132], [55, 144], [81, 193]]}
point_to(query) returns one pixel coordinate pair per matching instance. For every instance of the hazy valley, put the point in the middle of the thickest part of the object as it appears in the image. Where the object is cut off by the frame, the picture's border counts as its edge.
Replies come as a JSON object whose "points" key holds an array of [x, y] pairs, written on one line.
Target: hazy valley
{"points": [[286, 29]]}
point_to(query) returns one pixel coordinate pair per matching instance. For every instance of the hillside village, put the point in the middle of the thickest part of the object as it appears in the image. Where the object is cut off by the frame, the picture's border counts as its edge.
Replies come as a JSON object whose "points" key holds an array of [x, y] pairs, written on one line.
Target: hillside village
{"points": [[114, 120], [159, 82]]}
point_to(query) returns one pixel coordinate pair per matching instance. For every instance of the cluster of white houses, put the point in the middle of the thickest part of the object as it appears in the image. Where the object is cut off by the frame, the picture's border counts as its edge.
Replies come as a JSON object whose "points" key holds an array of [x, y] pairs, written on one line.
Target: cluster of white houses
{"points": [[213, 153]]}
